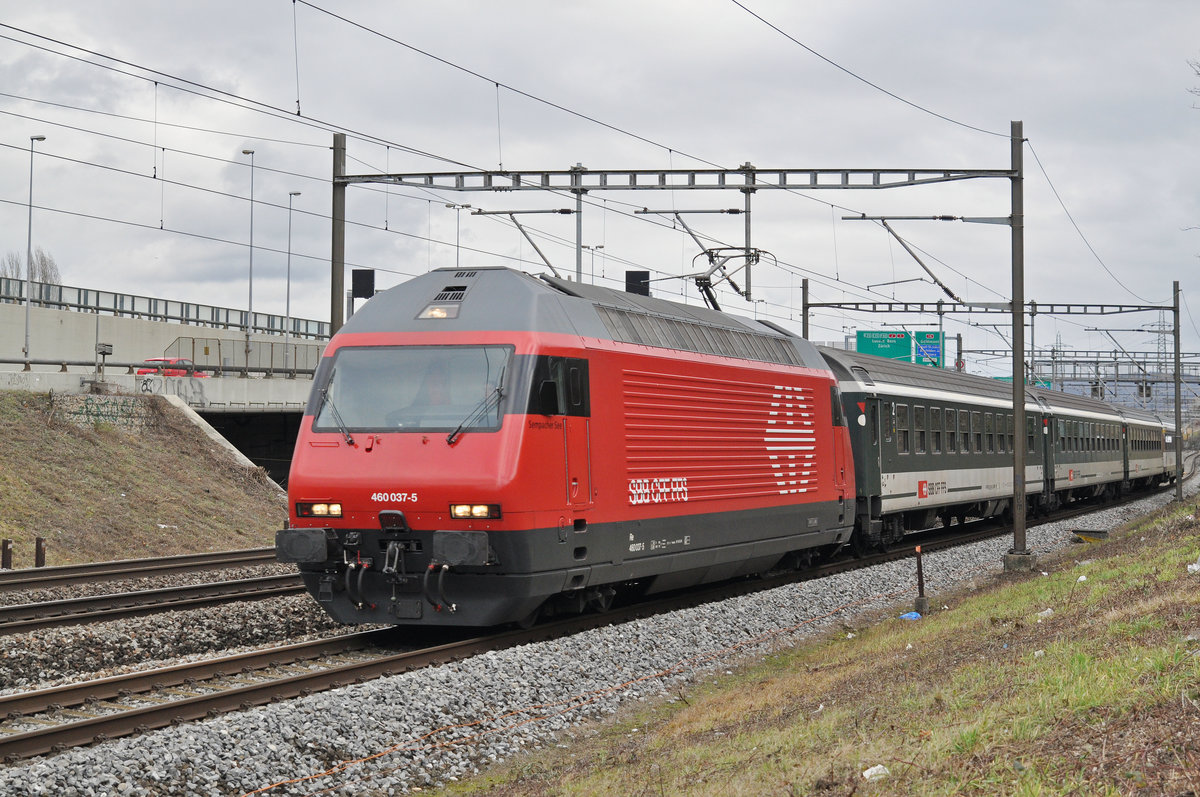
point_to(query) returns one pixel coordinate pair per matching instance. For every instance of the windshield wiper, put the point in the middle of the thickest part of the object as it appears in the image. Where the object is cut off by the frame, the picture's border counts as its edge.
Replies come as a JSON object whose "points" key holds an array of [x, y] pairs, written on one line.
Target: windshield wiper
{"points": [[481, 409], [337, 416]]}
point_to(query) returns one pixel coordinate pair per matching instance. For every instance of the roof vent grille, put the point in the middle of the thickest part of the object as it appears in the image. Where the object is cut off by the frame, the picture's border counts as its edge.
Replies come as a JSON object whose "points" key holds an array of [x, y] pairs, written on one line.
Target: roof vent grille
{"points": [[451, 293], [462, 275]]}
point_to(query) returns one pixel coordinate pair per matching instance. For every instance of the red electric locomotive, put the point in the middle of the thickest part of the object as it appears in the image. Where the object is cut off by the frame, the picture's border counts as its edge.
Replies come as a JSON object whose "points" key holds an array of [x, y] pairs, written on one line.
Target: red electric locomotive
{"points": [[483, 445]]}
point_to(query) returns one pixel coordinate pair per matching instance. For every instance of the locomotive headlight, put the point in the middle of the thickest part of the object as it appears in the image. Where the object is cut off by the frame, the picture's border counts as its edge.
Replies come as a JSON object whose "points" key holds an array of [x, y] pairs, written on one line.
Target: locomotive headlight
{"points": [[318, 509], [475, 511]]}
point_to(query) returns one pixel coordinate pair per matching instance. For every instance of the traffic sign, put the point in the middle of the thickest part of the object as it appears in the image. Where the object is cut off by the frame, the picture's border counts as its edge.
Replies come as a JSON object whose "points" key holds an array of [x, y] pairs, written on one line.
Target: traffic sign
{"points": [[928, 348], [893, 345]]}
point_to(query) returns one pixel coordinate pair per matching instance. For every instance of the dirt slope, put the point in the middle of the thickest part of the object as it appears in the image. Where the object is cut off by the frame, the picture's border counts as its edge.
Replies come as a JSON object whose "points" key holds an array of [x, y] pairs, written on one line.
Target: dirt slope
{"points": [[112, 477]]}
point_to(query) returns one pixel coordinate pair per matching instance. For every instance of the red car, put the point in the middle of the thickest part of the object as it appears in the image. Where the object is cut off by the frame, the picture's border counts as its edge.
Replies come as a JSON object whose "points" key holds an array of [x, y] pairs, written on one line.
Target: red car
{"points": [[170, 366]]}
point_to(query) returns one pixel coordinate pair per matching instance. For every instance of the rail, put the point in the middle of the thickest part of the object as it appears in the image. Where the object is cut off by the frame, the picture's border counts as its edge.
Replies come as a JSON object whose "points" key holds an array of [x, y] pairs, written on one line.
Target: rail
{"points": [[26, 617], [65, 575]]}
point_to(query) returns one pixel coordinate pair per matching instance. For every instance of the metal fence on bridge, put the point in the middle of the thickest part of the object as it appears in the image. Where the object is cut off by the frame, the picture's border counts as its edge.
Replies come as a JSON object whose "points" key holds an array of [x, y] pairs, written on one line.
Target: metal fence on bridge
{"points": [[86, 300]]}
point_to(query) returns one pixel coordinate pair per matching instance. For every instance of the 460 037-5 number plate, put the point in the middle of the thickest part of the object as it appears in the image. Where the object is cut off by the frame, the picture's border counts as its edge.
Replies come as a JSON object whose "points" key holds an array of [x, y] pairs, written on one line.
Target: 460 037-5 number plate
{"points": [[393, 498]]}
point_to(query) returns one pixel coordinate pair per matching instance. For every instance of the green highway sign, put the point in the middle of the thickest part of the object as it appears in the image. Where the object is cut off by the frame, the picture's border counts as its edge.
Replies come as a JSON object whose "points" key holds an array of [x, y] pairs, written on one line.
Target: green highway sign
{"points": [[928, 348], [893, 345]]}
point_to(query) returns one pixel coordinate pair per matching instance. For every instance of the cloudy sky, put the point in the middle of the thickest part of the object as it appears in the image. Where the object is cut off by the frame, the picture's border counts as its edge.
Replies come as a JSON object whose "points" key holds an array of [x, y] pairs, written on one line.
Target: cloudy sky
{"points": [[141, 185]]}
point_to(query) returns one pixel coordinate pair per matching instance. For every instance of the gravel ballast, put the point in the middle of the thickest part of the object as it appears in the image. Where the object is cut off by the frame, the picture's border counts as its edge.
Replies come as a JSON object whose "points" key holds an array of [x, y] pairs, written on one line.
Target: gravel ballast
{"points": [[439, 724]]}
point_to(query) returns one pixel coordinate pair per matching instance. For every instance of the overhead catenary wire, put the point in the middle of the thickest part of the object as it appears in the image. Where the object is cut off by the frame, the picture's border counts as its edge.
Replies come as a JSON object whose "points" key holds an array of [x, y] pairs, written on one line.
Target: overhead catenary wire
{"points": [[249, 104], [862, 79], [271, 110], [1082, 237]]}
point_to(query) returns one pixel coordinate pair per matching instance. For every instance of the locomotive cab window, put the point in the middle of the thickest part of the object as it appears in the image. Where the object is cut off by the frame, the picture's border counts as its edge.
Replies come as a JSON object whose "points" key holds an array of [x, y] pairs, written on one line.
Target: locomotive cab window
{"points": [[835, 406], [560, 387], [412, 388]]}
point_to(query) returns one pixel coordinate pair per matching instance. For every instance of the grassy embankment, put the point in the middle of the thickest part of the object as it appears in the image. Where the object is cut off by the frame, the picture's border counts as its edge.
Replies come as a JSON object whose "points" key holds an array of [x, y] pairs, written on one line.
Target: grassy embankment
{"points": [[100, 490], [989, 694]]}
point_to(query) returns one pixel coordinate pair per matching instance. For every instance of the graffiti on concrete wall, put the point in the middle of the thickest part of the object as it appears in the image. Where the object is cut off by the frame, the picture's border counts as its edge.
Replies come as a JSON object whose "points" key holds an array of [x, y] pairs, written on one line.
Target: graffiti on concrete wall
{"points": [[188, 388], [19, 380], [123, 412]]}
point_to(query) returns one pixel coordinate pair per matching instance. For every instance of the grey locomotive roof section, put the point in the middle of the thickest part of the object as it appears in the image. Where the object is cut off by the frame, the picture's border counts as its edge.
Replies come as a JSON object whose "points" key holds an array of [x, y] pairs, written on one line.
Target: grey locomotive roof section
{"points": [[648, 304], [499, 298], [596, 295], [492, 298]]}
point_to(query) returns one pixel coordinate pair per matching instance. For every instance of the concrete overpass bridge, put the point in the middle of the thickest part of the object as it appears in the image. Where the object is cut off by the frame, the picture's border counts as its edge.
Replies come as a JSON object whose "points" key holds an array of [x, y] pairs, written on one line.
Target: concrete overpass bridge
{"points": [[255, 382]]}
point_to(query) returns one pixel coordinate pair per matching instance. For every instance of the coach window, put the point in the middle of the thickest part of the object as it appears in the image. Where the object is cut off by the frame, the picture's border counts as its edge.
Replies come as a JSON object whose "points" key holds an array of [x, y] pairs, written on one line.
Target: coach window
{"points": [[919, 428], [964, 434], [988, 437], [951, 431], [1030, 428], [902, 428], [935, 429], [977, 432], [889, 418]]}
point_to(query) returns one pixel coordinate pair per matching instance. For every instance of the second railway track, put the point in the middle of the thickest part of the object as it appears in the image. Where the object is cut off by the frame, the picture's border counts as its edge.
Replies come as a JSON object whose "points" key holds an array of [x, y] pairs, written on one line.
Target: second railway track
{"points": [[66, 575], [99, 608]]}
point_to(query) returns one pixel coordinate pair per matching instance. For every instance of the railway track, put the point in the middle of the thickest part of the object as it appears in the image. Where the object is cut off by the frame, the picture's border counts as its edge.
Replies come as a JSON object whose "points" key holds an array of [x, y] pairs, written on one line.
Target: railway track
{"points": [[65, 575], [100, 608], [49, 720]]}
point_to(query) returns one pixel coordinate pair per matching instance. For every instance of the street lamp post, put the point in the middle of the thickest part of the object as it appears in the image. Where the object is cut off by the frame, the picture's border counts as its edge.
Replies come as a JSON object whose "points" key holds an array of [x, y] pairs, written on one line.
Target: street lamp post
{"points": [[29, 251], [250, 294], [457, 218], [287, 322]]}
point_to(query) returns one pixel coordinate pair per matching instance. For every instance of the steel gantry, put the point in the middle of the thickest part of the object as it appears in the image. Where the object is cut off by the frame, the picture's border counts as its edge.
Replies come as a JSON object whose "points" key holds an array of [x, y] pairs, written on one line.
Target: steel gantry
{"points": [[747, 179], [580, 181]]}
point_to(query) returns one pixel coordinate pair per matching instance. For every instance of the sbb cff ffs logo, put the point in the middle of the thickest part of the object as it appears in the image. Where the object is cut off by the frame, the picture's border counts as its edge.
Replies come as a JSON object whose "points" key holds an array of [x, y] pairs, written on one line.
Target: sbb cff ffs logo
{"points": [[925, 489]]}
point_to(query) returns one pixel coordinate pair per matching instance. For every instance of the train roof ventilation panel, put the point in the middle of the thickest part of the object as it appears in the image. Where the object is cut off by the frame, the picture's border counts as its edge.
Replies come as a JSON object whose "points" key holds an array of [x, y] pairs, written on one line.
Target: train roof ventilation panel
{"points": [[451, 293], [462, 275]]}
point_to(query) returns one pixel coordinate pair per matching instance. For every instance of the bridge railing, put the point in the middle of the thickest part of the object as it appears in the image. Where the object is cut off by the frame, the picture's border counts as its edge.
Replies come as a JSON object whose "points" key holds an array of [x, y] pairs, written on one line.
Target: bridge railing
{"points": [[86, 300], [223, 354], [64, 366]]}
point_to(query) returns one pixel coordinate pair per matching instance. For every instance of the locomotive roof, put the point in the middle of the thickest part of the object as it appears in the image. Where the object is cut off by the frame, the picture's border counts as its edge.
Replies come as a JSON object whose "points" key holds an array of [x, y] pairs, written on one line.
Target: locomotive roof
{"points": [[498, 298]]}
